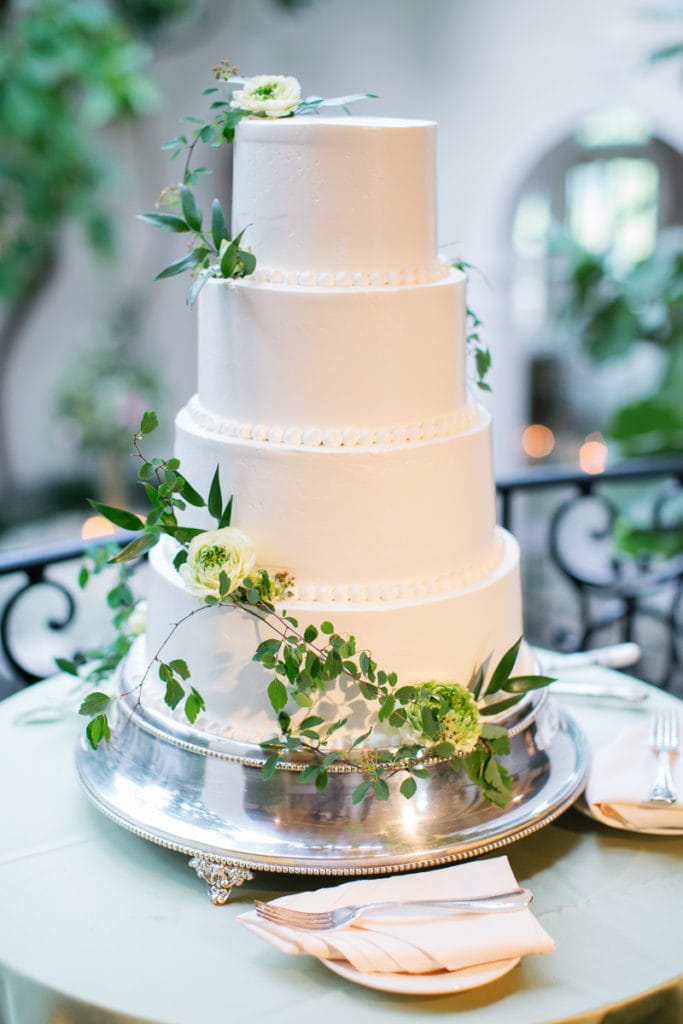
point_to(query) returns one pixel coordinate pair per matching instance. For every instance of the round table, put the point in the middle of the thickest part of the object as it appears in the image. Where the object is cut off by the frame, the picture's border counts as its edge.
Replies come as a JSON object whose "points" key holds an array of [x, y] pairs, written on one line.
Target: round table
{"points": [[98, 926]]}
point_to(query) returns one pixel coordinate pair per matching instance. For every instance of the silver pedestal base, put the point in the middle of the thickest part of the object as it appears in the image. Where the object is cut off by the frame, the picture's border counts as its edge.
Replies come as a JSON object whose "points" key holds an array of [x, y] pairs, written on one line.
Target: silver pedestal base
{"points": [[205, 797]]}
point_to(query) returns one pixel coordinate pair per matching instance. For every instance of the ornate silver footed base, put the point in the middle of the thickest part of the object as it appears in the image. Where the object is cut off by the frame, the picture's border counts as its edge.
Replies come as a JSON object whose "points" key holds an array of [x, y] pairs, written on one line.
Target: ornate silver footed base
{"points": [[205, 797], [220, 878]]}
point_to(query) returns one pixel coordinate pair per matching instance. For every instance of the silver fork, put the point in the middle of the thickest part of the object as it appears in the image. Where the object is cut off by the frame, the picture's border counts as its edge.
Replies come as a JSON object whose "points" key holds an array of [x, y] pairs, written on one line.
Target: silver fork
{"points": [[325, 920], [664, 741]]}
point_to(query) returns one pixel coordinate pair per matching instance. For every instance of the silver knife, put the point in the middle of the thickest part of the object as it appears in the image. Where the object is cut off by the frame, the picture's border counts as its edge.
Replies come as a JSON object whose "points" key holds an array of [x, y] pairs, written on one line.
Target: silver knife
{"points": [[630, 693]]}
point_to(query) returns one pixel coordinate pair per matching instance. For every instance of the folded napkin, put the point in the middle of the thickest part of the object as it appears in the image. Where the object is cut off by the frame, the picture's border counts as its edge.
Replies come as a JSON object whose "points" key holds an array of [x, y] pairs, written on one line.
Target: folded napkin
{"points": [[408, 944], [622, 774]]}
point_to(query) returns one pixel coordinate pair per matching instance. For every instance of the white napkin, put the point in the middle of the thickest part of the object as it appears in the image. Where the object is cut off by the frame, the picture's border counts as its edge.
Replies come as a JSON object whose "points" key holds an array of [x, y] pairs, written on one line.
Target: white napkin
{"points": [[413, 945], [622, 774]]}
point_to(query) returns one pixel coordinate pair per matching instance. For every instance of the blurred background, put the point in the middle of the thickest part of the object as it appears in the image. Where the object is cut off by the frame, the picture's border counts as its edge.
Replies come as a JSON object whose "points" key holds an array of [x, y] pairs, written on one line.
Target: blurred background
{"points": [[560, 180]]}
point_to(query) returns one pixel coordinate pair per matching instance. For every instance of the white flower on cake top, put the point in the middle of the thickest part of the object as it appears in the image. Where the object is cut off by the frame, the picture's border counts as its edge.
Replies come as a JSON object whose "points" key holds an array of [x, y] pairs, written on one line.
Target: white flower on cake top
{"points": [[268, 95]]}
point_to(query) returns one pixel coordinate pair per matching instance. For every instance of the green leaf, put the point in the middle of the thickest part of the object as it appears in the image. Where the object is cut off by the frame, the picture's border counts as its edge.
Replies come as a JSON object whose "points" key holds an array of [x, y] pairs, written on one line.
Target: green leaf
{"points": [[270, 765], [310, 633], [360, 739], [311, 722], [191, 211], [179, 667], [406, 694], [120, 596], [183, 534], [310, 772], [270, 646], [191, 496], [118, 516], [277, 694], [386, 708], [226, 515], [612, 330], [165, 221], [444, 749], [149, 422], [174, 693], [522, 684], [360, 792], [429, 722], [97, 730], [180, 559], [223, 583], [408, 787], [95, 703], [219, 227], [381, 789], [503, 669], [228, 260], [321, 780], [70, 667], [188, 262], [326, 627], [177, 140], [136, 548], [501, 705], [248, 261], [215, 503], [198, 284], [193, 705]]}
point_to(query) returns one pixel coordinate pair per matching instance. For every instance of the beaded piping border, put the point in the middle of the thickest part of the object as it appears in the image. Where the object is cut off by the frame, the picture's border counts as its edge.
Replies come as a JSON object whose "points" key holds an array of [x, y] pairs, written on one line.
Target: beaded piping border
{"points": [[352, 279], [360, 593], [333, 437]]}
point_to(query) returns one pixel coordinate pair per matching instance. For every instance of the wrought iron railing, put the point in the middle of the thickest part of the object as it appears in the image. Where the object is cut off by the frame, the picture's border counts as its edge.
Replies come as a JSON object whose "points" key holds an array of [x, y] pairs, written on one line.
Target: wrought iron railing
{"points": [[579, 589]]}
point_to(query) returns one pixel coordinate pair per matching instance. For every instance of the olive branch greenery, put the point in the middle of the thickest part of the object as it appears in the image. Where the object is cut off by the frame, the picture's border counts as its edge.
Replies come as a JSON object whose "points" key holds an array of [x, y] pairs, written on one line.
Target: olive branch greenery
{"points": [[480, 352], [439, 720], [212, 252]]}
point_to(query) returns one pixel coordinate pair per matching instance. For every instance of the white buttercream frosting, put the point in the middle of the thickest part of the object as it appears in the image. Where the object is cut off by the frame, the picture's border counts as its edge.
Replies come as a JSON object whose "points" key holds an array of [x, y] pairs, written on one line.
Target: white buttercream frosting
{"points": [[333, 359], [337, 195], [436, 271], [334, 437]]}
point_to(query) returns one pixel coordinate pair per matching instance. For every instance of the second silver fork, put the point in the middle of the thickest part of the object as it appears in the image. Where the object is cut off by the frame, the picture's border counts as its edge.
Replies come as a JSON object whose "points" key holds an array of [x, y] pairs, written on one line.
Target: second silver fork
{"points": [[664, 741]]}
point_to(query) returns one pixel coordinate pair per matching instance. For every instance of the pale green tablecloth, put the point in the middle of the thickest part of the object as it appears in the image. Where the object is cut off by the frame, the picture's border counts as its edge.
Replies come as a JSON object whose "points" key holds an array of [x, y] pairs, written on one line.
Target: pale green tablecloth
{"points": [[97, 925]]}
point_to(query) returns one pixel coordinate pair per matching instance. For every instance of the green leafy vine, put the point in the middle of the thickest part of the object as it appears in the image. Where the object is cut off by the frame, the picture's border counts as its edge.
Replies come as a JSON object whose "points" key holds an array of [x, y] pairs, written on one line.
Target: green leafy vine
{"points": [[434, 720]]}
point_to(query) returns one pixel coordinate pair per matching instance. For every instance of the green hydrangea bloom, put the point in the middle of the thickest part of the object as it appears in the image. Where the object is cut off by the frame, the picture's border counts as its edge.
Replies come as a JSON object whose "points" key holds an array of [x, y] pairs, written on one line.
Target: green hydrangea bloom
{"points": [[456, 711]]}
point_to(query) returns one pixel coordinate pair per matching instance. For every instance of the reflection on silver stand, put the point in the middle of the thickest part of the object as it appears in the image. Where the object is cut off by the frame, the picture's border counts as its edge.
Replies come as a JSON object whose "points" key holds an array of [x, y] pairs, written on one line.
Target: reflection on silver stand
{"points": [[205, 796]]}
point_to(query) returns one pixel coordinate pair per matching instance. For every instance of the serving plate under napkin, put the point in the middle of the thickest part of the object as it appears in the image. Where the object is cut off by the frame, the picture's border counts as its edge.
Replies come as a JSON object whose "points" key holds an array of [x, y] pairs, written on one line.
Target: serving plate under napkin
{"points": [[440, 983]]}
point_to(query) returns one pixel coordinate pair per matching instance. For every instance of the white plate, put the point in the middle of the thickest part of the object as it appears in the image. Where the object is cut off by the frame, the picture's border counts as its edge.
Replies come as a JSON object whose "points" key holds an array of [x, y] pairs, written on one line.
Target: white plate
{"points": [[438, 984], [584, 808]]}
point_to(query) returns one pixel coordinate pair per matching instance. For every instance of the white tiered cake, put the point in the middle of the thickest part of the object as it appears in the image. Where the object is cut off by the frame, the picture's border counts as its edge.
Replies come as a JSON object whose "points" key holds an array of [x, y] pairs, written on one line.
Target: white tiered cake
{"points": [[332, 395]]}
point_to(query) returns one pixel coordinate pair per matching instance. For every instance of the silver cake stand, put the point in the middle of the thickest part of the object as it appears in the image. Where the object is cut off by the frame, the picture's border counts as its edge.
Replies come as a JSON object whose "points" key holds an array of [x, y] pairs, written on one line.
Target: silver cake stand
{"points": [[204, 796]]}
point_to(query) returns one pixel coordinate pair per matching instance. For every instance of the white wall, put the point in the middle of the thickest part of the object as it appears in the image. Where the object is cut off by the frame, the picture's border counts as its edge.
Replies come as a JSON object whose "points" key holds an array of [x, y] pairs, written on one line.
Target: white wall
{"points": [[502, 78]]}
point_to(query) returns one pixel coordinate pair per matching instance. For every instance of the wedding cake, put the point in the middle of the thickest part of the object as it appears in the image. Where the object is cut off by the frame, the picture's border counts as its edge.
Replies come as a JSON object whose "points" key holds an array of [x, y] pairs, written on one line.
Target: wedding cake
{"points": [[332, 395]]}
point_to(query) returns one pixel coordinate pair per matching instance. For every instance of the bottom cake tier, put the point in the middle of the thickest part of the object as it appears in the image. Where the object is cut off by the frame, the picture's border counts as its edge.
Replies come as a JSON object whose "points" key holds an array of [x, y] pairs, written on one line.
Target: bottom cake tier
{"points": [[442, 636]]}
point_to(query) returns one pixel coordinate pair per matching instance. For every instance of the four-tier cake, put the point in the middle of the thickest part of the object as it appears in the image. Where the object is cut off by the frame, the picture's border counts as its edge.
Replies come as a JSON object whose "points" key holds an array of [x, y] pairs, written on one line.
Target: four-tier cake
{"points": [[332, 395]]}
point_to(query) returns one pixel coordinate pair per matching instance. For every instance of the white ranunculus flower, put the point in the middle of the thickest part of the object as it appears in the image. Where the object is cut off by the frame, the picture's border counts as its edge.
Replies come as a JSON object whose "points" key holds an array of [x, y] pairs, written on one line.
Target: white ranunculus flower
{"points": [[211, 553], [268, 95], [137, 620]]}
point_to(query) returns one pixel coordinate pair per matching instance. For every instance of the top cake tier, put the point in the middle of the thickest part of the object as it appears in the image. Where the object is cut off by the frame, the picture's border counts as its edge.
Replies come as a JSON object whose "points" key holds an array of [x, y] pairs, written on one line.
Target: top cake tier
{"points": [[342, 200]]}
